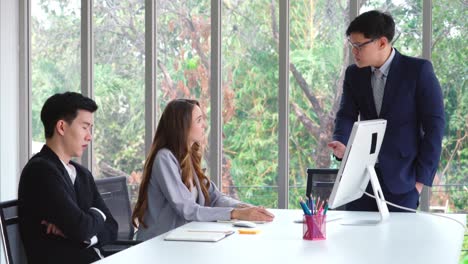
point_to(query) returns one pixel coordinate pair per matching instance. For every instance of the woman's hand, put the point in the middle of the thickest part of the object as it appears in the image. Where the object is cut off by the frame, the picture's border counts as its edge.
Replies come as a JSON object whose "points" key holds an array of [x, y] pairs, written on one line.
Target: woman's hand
{"points": [[252, 214]]}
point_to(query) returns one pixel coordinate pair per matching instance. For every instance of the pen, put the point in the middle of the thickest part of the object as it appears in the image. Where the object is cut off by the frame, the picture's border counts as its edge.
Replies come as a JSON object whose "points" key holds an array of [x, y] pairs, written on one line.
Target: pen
{"points": [[318, 204], [313, 205], [304, 207], [326, 209], [321, 206], [310, 200]]}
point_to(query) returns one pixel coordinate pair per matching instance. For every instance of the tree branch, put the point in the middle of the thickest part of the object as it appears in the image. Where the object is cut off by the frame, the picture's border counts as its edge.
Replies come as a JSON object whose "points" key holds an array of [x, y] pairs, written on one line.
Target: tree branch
{"points": [[339, 81], [452, 155], [311, 126], [167, 76], [306, 89], [274, 22], [196, 42], [297, 75]]}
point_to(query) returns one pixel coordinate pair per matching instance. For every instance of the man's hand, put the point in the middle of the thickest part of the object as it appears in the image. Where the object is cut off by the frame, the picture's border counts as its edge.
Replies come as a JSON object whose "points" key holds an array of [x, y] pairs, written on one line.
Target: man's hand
{"points": [[338, 148], [52, 229], [252, 214], [419, 187]]}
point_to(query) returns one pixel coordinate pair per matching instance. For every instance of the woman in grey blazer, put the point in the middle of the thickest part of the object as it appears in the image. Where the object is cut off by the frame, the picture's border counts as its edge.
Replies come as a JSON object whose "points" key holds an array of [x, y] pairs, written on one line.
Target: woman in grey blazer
{"points": [[174, 189]]}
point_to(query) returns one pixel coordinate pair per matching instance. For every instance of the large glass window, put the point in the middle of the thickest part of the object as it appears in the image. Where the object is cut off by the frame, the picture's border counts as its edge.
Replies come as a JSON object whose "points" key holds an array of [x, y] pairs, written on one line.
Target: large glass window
{"points": [[55, 56], [250, 107], [183, 55], [250, 62], [449, 57], [119, 61], [318, 59]]}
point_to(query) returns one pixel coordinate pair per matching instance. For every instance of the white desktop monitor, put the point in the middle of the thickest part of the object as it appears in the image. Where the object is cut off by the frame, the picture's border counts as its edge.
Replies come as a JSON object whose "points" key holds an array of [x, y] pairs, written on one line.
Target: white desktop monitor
{"points": [[357, 168]]}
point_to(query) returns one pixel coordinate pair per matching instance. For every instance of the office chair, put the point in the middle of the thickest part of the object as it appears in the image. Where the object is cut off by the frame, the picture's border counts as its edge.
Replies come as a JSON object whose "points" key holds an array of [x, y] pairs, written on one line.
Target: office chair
{"points": [[320, 183], [114, 192], [9, 227]]}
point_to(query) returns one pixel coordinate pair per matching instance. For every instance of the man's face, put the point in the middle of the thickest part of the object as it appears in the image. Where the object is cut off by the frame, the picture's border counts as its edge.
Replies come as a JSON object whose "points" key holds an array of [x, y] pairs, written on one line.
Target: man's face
{"points": [[77, 135], [365, 51]]}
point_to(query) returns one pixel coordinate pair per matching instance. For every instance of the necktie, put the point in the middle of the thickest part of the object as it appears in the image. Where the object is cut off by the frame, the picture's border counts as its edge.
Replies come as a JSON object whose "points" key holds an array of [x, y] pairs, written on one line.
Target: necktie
{"points": [[378, 89]]}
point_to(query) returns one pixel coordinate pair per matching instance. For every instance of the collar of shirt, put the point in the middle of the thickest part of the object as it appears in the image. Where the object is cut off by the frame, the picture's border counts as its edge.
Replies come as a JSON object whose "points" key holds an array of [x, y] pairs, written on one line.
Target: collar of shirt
{"points": [[385, 68], [71, 171]]}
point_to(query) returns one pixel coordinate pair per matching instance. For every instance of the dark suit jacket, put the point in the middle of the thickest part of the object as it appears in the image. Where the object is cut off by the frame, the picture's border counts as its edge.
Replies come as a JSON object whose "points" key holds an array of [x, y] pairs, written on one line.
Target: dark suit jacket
{"points": [[46, 193], [414, 110]]}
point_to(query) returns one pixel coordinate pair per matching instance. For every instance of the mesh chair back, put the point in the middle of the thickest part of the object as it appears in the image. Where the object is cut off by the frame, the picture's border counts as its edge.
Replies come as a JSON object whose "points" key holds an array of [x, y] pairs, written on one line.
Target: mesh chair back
{"points": [[320, 183], [114, 192], [13, 249]]}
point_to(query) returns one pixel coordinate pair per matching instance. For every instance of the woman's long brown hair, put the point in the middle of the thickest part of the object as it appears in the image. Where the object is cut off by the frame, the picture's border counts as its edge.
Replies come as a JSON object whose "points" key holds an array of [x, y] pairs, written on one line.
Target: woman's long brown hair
{"points": [[172, 133]]}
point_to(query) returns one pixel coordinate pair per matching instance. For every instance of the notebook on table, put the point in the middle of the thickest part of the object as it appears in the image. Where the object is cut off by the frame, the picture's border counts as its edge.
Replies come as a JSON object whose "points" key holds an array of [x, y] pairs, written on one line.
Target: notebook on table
{"points": [[198, 235]]}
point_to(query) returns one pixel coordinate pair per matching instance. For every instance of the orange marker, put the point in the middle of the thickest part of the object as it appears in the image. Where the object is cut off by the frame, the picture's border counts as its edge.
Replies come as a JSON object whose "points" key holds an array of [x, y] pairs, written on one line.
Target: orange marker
{"points": [[248, 231]]}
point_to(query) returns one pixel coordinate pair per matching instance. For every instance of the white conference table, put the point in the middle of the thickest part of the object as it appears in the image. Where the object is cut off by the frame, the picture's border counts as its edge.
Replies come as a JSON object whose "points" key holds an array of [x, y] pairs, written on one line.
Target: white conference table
{"points": [[403, 238]]}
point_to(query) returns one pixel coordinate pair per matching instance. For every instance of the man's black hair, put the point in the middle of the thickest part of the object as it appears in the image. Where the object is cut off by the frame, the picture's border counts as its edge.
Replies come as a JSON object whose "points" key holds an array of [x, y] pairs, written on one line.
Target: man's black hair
{"points": [[373, 24], [64, 106]]}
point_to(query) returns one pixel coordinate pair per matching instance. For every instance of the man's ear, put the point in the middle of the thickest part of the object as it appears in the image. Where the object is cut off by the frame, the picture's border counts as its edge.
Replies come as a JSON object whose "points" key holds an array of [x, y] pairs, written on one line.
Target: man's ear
{"points": [[60, 127], [383, 42]]}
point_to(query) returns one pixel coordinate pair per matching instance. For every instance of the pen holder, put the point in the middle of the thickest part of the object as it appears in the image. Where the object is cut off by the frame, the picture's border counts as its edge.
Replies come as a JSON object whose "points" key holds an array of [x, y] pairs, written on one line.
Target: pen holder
{"points": [[314, 227]]}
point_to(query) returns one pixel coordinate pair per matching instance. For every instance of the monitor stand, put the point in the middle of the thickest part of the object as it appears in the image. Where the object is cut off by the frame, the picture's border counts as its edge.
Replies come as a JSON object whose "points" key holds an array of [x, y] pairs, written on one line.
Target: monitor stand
{"points": [[379, 199]]}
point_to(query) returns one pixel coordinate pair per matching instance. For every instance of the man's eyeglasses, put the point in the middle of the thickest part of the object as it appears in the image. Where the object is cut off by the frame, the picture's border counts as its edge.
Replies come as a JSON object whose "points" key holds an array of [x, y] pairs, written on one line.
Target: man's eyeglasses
{"points": [[359, 46]]}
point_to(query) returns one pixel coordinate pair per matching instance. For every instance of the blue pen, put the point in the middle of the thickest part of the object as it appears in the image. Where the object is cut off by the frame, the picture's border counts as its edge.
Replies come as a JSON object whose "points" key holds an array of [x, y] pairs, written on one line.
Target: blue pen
{"points": [[310, 200], [326, 209], [304, 207]]}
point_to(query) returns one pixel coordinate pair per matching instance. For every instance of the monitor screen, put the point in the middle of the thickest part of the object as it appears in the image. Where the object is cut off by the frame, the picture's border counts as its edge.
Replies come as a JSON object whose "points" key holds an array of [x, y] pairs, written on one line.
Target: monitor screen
{"points": [[357, 165]]}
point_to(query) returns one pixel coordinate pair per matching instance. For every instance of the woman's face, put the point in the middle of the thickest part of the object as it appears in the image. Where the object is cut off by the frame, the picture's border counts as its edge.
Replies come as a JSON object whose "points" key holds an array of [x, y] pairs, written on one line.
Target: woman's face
{"points": [[197, 128]]}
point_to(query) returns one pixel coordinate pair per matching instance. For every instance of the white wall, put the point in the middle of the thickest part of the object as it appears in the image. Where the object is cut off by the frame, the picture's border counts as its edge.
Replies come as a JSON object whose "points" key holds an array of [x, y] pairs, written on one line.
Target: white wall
{"points": [[9, 98], [9, 108]]}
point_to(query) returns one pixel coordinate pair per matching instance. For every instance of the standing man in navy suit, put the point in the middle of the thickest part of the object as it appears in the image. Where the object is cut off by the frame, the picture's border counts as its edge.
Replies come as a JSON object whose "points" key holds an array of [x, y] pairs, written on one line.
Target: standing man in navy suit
{"points": [[402, 90]]}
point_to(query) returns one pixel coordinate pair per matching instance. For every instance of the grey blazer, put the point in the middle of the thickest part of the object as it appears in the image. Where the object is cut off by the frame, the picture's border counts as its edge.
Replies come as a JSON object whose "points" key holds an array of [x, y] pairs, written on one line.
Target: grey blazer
{"points": [[171, 204]]}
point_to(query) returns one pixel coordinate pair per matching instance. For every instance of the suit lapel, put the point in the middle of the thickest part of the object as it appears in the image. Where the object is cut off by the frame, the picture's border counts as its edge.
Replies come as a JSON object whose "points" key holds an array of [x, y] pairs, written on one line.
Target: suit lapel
{"points": [[63, 172], [369, 93], [68, 182], [391, 85]]}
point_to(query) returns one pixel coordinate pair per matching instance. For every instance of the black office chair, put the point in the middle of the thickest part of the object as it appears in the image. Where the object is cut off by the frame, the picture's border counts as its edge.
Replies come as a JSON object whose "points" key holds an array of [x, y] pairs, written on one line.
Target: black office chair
{"points": [[9, 227], [114, 192], [320, 183]]}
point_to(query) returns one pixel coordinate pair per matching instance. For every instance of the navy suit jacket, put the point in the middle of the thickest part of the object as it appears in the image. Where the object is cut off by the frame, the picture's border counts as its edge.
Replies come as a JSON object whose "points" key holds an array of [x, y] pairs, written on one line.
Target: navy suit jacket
{"points": [[414, 110], [46, 192]]}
